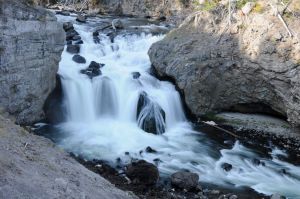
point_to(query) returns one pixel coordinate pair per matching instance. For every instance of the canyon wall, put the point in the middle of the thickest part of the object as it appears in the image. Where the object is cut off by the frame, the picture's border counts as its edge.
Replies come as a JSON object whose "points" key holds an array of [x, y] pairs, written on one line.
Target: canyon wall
{"points": [[144, 8], [250, 65], [31, 42]]}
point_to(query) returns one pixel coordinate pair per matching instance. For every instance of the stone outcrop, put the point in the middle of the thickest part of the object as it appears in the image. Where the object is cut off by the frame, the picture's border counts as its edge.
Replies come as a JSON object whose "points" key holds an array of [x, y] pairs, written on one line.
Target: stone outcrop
{"points": [[31, 42], [253, 65], [32, 167]]}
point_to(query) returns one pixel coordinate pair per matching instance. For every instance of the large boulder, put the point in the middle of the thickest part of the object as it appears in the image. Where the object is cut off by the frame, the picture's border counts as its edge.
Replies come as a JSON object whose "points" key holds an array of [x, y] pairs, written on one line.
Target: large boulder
{"points": [[185, 180], [253, 67], [142, 172], [31, 43]]}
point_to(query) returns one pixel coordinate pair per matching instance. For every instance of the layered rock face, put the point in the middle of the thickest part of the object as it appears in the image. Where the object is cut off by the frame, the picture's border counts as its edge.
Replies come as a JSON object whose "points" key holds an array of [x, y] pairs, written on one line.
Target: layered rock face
{"points": [[31, 42], [153, 8], [252, 65]]}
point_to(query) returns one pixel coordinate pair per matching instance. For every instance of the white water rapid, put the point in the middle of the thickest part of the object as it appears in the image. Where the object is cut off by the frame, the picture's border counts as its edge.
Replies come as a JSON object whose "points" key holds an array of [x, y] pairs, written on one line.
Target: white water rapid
{"points": [[102, 120]]}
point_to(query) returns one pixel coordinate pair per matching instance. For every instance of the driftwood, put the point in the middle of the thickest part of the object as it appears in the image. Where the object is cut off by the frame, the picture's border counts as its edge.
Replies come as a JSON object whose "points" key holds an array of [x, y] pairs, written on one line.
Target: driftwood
{"points": [[222, 129]]}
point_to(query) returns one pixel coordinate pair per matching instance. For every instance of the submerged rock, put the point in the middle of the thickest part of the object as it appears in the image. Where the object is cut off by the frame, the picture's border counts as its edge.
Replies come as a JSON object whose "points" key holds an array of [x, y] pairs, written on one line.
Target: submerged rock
{"points": [[93, 70], [185, 180], [227, 167], [150, 150], [79, 59], [150, 116], [142, 172], [136, 75], [73, 49]]}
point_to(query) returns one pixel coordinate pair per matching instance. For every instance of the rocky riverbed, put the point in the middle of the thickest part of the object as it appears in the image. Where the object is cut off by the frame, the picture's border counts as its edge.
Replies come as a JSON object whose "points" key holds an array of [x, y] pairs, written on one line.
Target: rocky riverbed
{"points": [[215, 67]]}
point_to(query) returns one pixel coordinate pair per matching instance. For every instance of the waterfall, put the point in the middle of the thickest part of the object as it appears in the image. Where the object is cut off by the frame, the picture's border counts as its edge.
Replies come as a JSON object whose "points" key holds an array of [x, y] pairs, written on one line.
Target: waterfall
{"points": [[121, 111]]}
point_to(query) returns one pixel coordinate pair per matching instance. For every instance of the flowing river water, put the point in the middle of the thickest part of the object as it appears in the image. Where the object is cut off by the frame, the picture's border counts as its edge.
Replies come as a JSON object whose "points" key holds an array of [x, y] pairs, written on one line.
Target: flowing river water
{"points": [[102, 121]]}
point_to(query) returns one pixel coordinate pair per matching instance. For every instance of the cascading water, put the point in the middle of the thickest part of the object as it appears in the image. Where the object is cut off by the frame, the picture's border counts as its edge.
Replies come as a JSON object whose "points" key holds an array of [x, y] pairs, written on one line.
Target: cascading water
{"points": [[106, 115]]}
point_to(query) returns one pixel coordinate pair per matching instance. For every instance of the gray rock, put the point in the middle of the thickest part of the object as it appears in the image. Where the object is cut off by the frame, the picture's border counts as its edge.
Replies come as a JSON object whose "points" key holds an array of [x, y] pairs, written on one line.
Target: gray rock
{"points": [[31, 43], [79, 59], [33, 167], [65, 13], [68, 26], [245, 72], [81, 18], [73, 49], [227, 167], [185, 180], [142, 172]]}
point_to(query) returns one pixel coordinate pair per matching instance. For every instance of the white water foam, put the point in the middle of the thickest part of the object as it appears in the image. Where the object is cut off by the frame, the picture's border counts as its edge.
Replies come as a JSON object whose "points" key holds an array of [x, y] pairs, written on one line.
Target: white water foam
{"points": [[102, 120]]}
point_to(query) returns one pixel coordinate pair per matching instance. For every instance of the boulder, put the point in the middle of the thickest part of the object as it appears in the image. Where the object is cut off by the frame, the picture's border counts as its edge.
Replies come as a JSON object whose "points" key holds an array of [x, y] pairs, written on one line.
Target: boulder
{"points": [[250, 72], [70, 34], [150, 116], [79, 59], [81, 18], [31, 43], [93, 69], [73, 49], [142, 172], [185, 180], [96, 65], [68, 26]]}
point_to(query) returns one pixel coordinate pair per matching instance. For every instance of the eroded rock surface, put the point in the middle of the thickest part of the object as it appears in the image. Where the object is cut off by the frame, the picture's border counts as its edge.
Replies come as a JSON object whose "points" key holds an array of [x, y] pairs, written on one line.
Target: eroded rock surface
{"points": [[33, 167], [253, 62], [31, 42]]}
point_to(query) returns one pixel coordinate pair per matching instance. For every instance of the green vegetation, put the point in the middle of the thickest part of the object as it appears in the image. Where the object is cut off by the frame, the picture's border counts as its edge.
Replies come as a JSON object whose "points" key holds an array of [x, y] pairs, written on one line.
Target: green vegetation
{"points": [[258, 8]]}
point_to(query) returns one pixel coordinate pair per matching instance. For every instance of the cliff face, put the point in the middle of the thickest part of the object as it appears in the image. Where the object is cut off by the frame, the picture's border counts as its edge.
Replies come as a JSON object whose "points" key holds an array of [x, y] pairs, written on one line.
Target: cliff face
{"points": [[31, 42], [252, 65], [143, 8]]}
